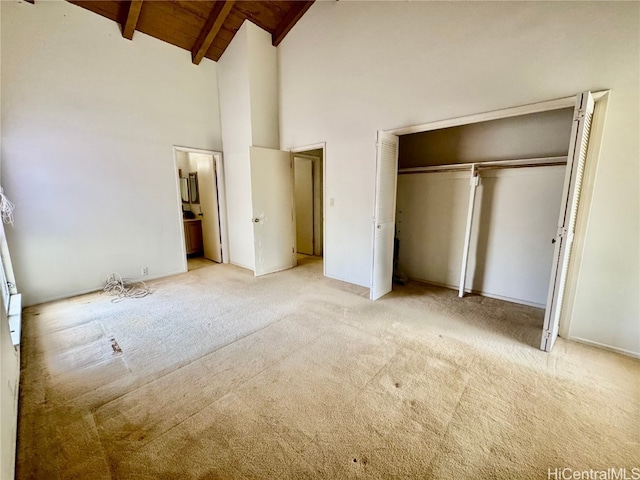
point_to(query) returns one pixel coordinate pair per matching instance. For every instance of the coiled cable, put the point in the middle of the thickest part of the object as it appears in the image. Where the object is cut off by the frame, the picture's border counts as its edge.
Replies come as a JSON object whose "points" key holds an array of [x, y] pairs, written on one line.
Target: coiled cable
{"points": [[124, 288]]}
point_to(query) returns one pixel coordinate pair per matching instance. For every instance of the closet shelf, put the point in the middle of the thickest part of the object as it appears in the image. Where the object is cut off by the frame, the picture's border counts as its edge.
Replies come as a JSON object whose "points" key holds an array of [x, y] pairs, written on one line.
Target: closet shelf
{"points": [[515, 163]]}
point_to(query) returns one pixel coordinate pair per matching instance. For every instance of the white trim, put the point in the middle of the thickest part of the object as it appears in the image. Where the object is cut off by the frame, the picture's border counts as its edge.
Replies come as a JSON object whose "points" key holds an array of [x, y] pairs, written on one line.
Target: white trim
{"points": [[315, 146], [195, 150], [351, 282], [244, 267], [557, 104], [591, 343], [318, 146]]}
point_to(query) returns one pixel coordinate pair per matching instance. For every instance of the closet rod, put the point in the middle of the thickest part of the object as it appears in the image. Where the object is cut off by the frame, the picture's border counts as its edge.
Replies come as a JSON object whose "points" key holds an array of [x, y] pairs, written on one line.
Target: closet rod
{"points": [[519, 163]]}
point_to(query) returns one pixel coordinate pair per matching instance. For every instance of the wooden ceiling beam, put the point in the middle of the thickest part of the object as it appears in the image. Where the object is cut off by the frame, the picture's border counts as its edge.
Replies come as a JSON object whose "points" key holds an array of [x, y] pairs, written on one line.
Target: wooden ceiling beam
{"points": [[289, 21], [214, 23], [132, 19]]}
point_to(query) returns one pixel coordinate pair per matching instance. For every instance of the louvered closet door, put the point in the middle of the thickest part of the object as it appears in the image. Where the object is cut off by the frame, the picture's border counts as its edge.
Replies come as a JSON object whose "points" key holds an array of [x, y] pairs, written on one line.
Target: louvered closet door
{"points": [[385, 213], [583, 114]]}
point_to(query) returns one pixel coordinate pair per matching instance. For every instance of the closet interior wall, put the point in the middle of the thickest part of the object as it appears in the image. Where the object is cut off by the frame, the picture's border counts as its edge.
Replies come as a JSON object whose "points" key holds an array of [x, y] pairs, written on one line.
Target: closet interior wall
{"points": [[516, 208]]}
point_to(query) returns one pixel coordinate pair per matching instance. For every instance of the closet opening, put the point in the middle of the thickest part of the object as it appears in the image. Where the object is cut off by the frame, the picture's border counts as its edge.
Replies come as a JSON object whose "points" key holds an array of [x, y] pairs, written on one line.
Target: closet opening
{"points": [[477, 205], [485, 204]]}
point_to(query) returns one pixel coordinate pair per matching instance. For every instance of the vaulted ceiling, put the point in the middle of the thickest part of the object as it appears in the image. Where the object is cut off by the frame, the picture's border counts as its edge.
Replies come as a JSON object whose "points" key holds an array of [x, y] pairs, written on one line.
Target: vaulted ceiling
{"points": [[205, 28]]}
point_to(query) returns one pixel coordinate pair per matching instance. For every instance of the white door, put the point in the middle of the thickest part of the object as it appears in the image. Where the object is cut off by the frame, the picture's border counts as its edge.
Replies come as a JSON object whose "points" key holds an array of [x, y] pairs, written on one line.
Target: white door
{"points": [[303, 168], [208, 192], [272, 202], [583, 114], [385, 214]]}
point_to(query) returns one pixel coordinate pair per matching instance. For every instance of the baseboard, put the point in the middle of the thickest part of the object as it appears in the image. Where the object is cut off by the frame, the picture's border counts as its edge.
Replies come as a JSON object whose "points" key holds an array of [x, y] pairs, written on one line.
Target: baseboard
{"points": [[591, 343], [236, 264], [484, 294], [98, 289], [333, 277]]}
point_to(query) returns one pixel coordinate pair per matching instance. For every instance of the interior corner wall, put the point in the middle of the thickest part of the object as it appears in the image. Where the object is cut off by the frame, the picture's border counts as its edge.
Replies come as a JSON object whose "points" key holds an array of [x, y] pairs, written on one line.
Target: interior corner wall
{"points": [[89, 121], [361, 67], [247, 76], [235, 114], [263, 86]]}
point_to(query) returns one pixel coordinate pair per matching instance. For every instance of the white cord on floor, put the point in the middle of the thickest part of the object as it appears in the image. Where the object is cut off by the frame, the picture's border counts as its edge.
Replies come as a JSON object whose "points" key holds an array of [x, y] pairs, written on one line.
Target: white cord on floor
{"points": [[125, 288], [6, 208]]}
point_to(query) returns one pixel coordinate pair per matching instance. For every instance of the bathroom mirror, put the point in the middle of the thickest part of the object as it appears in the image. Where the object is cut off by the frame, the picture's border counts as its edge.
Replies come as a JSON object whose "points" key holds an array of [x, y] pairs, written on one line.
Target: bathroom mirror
{"points": [[184, 190], [193, 187]]}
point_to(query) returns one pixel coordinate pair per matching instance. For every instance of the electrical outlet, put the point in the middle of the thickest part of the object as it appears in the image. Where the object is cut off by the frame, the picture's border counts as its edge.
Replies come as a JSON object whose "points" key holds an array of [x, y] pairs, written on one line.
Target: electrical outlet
{"points": [[145, 271]]}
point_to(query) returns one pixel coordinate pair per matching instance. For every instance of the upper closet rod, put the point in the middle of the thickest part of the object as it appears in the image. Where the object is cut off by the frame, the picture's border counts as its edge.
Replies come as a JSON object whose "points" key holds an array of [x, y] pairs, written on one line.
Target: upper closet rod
{"points": [[523, 162]]}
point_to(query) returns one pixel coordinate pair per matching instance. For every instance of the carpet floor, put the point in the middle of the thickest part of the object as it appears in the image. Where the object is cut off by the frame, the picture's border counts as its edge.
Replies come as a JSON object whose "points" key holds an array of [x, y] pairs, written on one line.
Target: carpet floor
{"points": [[220, 375]]}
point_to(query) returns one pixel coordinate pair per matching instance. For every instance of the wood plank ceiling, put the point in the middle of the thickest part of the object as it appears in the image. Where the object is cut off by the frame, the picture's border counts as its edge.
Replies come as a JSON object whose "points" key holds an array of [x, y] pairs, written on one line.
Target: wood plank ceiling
{"points": [[205, 28]]}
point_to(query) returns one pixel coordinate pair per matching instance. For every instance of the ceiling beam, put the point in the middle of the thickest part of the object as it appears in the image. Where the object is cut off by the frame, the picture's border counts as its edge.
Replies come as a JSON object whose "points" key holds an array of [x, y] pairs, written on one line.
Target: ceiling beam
{"points": [[289, 21], [208, 33], [132, 19]]}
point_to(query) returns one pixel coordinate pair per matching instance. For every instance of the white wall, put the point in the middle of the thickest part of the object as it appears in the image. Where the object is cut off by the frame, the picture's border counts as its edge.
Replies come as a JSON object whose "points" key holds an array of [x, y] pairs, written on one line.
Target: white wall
{"points": [[367, 66], [10, 375], [263, 75], [247, 73], [510, 254], [89, 121], [9, 403], [235, 112]]}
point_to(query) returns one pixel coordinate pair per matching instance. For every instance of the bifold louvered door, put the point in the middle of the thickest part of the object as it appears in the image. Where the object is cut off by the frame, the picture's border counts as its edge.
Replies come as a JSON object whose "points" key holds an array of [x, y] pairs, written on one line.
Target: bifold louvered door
{"points": [[583, 115], [385, 213]]}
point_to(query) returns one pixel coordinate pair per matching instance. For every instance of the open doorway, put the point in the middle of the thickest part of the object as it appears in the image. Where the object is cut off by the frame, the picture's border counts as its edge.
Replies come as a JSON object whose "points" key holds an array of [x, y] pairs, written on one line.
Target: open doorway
{"points": [[202, 208], [308, 191]]}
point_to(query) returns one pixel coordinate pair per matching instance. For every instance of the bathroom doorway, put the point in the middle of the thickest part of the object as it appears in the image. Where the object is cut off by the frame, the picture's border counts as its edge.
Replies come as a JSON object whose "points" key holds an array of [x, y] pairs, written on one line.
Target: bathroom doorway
{"points": [[200, 178]]}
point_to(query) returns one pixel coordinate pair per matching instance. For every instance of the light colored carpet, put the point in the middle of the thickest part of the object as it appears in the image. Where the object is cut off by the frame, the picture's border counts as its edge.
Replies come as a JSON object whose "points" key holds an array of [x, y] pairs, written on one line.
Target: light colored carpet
{"points": [[218, 374]]}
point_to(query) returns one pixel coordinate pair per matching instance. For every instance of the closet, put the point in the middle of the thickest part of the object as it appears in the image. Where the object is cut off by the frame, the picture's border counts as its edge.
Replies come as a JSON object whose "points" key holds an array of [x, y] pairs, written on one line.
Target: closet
{"points": [[480, 202], [505, 159]]}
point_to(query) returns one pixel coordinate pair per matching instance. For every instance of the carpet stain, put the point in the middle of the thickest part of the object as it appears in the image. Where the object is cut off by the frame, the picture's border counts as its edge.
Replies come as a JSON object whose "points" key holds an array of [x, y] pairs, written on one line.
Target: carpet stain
{"points": [[115, 347]]}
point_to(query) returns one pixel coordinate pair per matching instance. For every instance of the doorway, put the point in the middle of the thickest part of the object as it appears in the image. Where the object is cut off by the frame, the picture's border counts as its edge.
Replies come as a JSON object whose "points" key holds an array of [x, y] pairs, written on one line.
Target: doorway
{"points": [[308, 181], [200, 182]]}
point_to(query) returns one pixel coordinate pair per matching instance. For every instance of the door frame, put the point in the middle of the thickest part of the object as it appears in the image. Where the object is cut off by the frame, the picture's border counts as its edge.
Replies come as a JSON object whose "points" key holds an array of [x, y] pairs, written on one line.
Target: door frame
{"points": [[316, 146], [222, 200], [595, 144]]}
